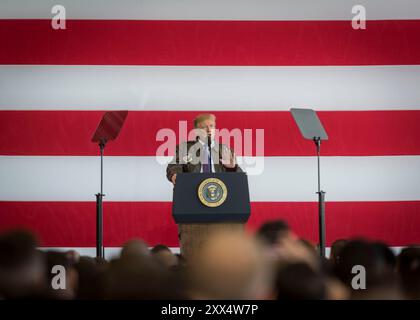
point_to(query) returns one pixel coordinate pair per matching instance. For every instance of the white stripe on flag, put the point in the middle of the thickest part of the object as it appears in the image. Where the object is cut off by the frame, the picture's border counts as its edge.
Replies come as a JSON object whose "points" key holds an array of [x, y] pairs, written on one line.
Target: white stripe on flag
{"points": [[54, 178], [211, 10], [216, 88]]}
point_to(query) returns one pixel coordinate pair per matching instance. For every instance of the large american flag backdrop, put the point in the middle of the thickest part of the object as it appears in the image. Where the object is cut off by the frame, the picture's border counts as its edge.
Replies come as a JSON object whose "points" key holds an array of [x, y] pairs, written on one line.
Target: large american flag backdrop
{"points": [[246, 61]]}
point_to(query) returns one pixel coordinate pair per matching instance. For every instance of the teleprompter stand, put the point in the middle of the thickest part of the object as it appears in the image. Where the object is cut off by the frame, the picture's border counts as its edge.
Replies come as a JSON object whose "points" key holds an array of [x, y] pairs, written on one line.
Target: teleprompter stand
{"points": [[107, 130], [311, 128]]}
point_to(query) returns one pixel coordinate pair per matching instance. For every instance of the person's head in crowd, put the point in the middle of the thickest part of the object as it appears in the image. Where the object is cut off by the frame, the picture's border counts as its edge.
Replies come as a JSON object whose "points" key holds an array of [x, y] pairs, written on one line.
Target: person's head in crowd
{"points": [[388, 255], [229, 265], [298, 281], [313, 270], [408, 267], [387, 289], [292, 250], [62, 290], [133, 248], [374, 269], [273, 232], [164, 256], [336, 248], [281, 245], [159, 248], [73, 256], [90, 276], [139, 278], [22, 268], [408, 259]]}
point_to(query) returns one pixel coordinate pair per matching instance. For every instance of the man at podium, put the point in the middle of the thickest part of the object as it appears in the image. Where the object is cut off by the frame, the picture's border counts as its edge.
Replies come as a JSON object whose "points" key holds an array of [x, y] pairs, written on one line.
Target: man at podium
{"points": [[203, 154]]}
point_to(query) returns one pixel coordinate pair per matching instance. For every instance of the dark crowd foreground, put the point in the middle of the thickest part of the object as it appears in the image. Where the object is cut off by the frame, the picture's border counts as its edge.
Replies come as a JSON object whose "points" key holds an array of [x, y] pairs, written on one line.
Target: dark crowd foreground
{"points": [[272, 264]]}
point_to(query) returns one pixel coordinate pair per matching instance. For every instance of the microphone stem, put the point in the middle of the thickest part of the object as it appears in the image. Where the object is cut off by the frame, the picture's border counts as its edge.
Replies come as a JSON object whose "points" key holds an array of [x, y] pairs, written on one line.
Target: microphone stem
{"points": [[209, 145]]}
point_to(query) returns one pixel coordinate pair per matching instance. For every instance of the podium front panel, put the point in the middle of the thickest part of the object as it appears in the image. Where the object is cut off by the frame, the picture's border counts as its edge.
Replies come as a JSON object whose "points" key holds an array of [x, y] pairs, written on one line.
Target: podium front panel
{"points": [[187, 207]]}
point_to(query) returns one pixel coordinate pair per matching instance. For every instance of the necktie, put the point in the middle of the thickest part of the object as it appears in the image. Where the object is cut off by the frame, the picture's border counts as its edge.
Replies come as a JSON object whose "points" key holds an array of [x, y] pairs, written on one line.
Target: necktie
{"points": [[206, 159]]}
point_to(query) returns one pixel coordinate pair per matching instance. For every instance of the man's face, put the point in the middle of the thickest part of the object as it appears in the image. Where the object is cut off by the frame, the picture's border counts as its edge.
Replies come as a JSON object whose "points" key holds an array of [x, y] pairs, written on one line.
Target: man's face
{"points": [[206, 128]]}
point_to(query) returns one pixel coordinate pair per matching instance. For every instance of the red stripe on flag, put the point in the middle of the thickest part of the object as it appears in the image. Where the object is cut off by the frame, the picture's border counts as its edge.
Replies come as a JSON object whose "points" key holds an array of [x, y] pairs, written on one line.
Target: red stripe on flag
{"points": [[72, 224], [227, 43], [352, 133]]}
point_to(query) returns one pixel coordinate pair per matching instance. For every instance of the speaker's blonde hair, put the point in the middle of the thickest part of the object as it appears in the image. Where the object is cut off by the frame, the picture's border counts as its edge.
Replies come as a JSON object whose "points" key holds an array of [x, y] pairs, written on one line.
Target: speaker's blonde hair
{"points": [[202, 117]]}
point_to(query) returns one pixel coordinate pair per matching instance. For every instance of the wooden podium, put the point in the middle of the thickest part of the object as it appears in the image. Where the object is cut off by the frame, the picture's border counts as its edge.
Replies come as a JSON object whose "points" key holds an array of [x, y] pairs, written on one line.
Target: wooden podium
{"points": [[204, 203]]}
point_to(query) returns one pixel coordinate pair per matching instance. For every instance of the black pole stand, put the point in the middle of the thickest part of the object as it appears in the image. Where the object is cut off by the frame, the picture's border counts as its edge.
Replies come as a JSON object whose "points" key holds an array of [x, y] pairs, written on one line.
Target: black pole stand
{"points": [[311, 129], [107, 130], [321, 202], [99, 208]]}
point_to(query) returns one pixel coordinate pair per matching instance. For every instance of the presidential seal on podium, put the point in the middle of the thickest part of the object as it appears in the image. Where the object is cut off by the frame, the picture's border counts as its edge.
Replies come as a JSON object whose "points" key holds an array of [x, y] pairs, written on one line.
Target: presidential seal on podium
{"points": [[212, 192]]}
